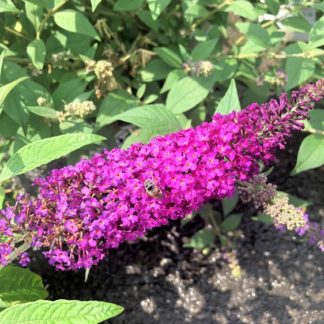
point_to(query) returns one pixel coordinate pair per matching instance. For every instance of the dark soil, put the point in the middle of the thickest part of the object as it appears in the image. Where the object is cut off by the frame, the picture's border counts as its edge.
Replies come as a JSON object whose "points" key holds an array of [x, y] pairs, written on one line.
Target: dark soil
{"points": [[157, 280]]}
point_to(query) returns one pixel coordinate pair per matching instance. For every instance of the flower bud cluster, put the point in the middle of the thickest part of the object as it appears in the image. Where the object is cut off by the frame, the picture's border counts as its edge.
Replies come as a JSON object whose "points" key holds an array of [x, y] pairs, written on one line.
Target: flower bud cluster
{"points": [[76, 109], [41, 101], [199, 68], [106, 81], [285, 214], [82, 211]]}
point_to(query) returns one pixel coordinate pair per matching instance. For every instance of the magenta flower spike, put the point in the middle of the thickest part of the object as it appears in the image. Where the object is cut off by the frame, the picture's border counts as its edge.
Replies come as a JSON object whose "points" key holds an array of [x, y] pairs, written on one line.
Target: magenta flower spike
{"points": [[82, 211]]}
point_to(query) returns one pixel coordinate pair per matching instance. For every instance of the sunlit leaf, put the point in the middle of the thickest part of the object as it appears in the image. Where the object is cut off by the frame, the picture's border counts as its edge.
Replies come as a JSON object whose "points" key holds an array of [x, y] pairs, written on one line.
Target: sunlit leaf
{"points": [[75, 22], [310, 154], [230, 102], [60, 312], [43, 151]]}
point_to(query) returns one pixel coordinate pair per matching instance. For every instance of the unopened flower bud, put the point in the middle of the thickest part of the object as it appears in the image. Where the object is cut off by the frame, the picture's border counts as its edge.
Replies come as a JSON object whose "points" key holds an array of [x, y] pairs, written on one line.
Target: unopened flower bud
{"points": [[103, 70], [41, 101], [79, 109]]}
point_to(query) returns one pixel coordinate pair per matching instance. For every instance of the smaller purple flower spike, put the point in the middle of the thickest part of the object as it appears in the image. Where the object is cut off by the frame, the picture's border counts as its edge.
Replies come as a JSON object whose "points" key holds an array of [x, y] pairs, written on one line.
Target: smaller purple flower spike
{"points": [[257, 191], [82, 211]]}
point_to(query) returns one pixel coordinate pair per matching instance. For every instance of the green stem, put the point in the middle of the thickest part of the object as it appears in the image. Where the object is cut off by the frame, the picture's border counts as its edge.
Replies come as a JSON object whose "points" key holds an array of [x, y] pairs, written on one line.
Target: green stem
{"points": [[307, 54], [214, 224], [12, 31], [313, 131], [17, 59], [49, 14]]}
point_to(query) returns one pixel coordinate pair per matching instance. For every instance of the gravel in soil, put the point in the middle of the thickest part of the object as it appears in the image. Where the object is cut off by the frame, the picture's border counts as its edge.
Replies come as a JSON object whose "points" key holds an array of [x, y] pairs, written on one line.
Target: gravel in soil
{"points": [[157, 280]]}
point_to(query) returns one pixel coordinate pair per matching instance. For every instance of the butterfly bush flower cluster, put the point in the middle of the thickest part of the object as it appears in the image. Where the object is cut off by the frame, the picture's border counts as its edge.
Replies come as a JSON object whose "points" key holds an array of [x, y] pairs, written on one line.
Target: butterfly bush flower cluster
{"points": [[84, 210]]}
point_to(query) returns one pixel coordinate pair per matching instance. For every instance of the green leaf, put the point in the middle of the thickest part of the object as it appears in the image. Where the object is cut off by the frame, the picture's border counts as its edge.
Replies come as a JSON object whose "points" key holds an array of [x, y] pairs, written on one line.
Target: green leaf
{"points": [[230, 102], [298, 23], [255, 33], [43, 151], [231, 222], [157, 6], [267, 172], [297, 202], [2, 197], [263, 218], [225, 69], [171, 79], [126, 5], [146, 17], [150, 99], [68, 90], [298, 70], [94, 4], [140, 91], [76, 125], [184, 53], [7, 6], [155, 117], [8, 127], [1, 60], [316, 120], [229, 204], [169, 56], [75, 22], [194, 10], [139, 136], [203, 49], [34, 14], [276, 37], [60, 312], [273, 6], [251, 47], [5, 89], [319, 6], [155, 70], [242, 8], [310, 154], [45, 112], [316, 35], [18, 285], [36, 50], [48, 4], [114, 104], [24, 94], [188, 92], [201, 239]]}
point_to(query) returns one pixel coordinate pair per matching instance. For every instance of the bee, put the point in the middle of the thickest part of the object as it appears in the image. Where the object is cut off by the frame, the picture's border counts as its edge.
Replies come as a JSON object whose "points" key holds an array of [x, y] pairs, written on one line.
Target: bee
{"points": [[152, 189]]}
